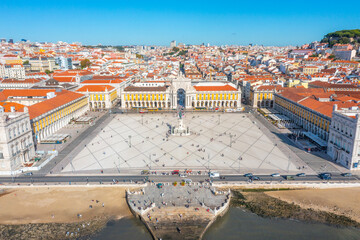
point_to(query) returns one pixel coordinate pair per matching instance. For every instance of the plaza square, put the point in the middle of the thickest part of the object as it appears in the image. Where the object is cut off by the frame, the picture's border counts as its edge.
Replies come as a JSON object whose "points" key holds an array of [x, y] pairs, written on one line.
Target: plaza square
{"points": [[226, 142]]}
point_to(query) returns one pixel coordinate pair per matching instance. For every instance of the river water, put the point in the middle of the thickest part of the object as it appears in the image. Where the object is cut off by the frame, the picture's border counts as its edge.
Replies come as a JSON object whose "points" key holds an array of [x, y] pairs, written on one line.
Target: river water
{"points": [[239, 224]]}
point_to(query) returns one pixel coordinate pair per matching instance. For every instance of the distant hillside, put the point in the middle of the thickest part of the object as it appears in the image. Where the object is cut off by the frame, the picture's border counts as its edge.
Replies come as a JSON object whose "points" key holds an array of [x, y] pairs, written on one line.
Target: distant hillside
{"points": [[343, 37]]}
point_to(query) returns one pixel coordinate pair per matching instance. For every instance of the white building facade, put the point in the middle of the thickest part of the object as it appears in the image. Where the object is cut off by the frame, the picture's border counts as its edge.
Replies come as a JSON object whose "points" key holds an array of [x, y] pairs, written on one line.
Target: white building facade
{"points": [[16, 71], [344, 138], [16, 142]]}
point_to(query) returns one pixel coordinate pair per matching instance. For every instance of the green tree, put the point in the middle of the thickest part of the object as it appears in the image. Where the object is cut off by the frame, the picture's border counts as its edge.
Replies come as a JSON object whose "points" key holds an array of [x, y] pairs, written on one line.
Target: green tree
{"points": [[332, 43], [332, 56], [182, 52], [119, 48], [344, 40], [324, 40], [85, 63], [175, 49], [26, 62], [47, 71]]}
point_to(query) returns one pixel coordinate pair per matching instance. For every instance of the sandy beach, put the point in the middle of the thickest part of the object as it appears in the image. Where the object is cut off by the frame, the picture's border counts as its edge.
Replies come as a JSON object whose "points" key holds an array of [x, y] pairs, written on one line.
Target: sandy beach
{"points": [[342, 201], [61, 204]]}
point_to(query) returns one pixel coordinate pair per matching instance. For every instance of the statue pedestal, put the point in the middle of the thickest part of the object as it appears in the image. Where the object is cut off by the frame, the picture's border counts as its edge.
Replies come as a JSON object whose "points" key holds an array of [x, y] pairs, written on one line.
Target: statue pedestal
{"points": [[180, 129]]}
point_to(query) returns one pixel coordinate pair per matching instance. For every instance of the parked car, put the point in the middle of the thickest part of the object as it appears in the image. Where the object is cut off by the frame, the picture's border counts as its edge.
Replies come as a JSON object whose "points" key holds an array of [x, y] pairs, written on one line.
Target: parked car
{"points": [[145, 172], [301, 174], [182, 175], [28, 174], [187, 180], [275, 175], [346, 174], [325, 176], [289, 177], [255, 178], [248, 175]]}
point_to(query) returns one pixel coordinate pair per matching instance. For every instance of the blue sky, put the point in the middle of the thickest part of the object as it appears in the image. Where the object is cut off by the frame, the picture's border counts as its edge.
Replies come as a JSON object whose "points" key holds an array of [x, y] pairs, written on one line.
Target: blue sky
{"points": [[276, 22]]}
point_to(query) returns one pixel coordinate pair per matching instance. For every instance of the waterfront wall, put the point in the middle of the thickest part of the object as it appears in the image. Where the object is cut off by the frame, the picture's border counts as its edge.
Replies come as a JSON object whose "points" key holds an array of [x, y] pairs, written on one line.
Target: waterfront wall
{"points": [[302, 185], [219, 213]]}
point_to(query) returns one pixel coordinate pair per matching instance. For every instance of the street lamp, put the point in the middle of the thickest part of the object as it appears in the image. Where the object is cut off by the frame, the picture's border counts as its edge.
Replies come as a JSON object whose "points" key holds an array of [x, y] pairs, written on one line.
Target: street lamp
{"points": [[240, 158], [129, 140], [150, 162], [72, 166], [119, 163], [219, 120], [209, 162], [12, 173]]}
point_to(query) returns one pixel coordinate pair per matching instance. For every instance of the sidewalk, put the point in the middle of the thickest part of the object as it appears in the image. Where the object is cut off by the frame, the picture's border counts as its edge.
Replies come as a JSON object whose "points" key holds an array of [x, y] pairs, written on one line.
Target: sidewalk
{"points": [[317, 162], [77, 137]]}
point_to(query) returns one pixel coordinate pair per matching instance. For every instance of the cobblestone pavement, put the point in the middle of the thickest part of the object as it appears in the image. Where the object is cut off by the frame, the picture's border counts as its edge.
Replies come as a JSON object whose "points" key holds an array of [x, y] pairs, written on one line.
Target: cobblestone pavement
{"points": [[74, 130], [317, 161], [178, 196], [70, 147], [228, 142]]}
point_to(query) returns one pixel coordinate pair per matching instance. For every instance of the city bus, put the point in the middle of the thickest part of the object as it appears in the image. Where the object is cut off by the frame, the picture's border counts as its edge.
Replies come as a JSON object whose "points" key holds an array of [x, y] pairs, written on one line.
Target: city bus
{"points": [[152, 109], [200, 108]]}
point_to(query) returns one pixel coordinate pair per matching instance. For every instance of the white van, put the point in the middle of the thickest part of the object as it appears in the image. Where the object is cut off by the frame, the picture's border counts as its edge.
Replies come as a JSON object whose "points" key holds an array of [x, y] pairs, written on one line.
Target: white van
{"points": [[214, 174], [187, 180]]}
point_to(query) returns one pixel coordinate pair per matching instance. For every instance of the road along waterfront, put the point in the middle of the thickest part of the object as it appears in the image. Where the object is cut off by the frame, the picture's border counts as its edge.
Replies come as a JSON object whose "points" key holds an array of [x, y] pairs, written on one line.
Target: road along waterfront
{"points": [[13, 194]]}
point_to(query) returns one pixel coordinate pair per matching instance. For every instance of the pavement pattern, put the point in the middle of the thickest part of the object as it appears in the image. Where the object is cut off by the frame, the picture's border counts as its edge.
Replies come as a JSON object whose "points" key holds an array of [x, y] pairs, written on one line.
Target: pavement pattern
{"points": [[178, 211], [316, 161], [229, 143], [177, 196]]}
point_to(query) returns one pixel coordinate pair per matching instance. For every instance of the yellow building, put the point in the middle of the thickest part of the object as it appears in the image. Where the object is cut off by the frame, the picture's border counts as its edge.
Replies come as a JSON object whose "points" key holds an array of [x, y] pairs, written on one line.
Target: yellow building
{"points": [[297, 82], [145, 97], [50, 115], [309, 70], [100, 96], [263, 96], [308, 113], [181, 93], [222, 96]]}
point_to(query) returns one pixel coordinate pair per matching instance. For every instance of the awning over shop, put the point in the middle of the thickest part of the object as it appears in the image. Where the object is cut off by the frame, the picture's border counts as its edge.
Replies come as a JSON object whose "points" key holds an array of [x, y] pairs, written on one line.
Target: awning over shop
{"points": [[84, 120], [55, 138], [278, 117], [316, 139], [269, 110]]}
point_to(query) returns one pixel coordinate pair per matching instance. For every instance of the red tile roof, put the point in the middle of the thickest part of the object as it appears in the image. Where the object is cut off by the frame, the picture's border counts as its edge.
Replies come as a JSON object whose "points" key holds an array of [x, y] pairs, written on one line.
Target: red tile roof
{"points": [[7, 106], [331, 85], [104, 81], [69, 75], [26, 92], [10, 80], [45, 106], [307, 98], [215, 88], [95, 88]]}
